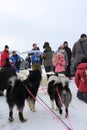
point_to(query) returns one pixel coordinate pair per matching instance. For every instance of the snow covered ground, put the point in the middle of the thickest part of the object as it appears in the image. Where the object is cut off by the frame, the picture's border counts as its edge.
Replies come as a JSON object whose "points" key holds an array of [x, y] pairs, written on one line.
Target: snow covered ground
{"points": [[42, 119]]}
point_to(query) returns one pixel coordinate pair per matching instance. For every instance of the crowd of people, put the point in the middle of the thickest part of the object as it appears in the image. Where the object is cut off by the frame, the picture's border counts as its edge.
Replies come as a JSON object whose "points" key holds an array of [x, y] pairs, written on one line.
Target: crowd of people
{"points": [[59, 61]]}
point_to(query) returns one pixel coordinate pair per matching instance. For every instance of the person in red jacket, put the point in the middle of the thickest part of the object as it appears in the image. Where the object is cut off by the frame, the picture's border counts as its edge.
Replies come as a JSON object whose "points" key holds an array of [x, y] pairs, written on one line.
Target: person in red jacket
{"points": [[81, 80], [4, 55]]}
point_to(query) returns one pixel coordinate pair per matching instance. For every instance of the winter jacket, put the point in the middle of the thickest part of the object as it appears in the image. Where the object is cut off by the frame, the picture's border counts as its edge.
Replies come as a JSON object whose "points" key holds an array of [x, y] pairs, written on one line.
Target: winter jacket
{"points": [[77, 51], [47, 56], [65, 55], [59, 62], [69, 54], [35, 56], [16, 60], [78, 77], [4, 56]]}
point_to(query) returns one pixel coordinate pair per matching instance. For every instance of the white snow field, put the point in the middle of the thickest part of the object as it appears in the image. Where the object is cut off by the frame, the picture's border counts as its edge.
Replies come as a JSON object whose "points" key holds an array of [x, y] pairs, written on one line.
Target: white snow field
{"points": [[43, 119]]}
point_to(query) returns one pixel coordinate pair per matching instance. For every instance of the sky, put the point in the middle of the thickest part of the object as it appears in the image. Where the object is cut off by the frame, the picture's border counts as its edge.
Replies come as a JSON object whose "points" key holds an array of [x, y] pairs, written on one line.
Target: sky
{"points": [[42, 119], [24, 22]]}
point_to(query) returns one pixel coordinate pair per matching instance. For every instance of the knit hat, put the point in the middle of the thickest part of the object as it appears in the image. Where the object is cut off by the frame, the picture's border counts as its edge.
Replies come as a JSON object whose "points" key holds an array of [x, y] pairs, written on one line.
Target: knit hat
{"points": [[6, 46], [46, 44], [83, 35]]}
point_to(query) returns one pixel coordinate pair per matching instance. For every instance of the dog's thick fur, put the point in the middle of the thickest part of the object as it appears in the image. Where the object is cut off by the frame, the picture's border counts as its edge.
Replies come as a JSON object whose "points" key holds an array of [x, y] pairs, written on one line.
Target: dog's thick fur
{"points": [[5, 74], [59, 85], [17, 93]]}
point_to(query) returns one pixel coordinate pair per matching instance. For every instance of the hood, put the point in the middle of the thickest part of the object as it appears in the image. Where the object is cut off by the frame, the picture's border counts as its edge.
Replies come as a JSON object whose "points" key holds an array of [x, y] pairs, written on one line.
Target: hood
{"points": [[82, 66], [46, 44], [83, 39]]}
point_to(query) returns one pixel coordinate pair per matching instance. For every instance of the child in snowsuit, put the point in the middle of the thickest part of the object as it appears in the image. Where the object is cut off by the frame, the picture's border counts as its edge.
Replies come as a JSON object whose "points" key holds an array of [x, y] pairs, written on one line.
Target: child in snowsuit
{"points": [[81, 80], [59, 63]]}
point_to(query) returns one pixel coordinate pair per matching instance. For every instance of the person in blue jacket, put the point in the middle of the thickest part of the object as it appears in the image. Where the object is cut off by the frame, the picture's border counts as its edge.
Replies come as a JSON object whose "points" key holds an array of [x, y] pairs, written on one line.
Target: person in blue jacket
{"points": [[16, 60], [35, 55]]}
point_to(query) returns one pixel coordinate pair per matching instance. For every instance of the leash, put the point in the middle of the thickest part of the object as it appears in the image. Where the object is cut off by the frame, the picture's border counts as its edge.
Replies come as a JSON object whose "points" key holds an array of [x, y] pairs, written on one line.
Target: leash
{"points": [[48, 109], [55, 115], [64, 108]]}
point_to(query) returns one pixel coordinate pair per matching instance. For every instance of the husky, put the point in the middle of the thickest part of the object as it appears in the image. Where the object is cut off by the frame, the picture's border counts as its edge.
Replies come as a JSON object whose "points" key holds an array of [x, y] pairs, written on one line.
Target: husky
{"points": [[17, 93], [59, 91]]}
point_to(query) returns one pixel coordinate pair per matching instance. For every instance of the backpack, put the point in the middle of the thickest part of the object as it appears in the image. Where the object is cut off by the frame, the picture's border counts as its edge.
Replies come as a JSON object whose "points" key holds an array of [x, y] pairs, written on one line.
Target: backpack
{"points": [[84, 76]]}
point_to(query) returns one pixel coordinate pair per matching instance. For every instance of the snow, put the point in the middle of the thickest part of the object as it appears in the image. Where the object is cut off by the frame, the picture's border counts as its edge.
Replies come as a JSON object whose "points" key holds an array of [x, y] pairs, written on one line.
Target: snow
{"points": [[42, 119]]}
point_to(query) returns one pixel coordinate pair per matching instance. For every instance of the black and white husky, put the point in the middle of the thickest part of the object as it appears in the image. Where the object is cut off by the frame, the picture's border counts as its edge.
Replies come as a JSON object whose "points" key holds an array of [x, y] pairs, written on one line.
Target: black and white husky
{"points": [[17, 93], [59, 91]]}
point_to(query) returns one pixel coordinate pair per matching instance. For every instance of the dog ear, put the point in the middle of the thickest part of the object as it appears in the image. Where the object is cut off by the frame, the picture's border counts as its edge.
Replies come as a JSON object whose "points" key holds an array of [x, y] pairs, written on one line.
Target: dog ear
{"points": [[48, 75]]}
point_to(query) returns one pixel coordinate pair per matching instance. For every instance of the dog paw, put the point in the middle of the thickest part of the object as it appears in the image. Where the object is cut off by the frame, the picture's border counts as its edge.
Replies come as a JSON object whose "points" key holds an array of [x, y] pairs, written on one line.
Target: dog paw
{"points": [[33, 110], [10, 119], [24, 120]]}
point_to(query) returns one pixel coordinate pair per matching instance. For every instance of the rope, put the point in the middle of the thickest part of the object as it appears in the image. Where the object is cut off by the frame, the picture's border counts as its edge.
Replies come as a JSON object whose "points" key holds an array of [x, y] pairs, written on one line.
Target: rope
{"points": [[48, 109], [64, 107]]}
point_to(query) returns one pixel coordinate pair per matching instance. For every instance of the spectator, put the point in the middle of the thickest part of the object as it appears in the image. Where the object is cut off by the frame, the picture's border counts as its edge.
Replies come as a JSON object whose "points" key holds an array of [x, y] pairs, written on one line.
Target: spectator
{"points": [[72, 67], [47, 57], [28, 59], [40, 56], [7, 63], [16, 59], [35, 55], [62, 50], [5, 73], [79, 50], [69, 55], [4, 55], [59, 63], [81, 80]]}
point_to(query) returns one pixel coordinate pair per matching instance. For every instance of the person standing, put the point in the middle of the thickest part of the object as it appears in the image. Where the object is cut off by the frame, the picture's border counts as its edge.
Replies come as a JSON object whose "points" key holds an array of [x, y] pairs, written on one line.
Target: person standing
{"points": [[4, 55], [16, 59], [62, 50], [5, 73], [47, 57], [69, 55], [28, 59], [79, 50], [35, 55], [59, 63]]}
